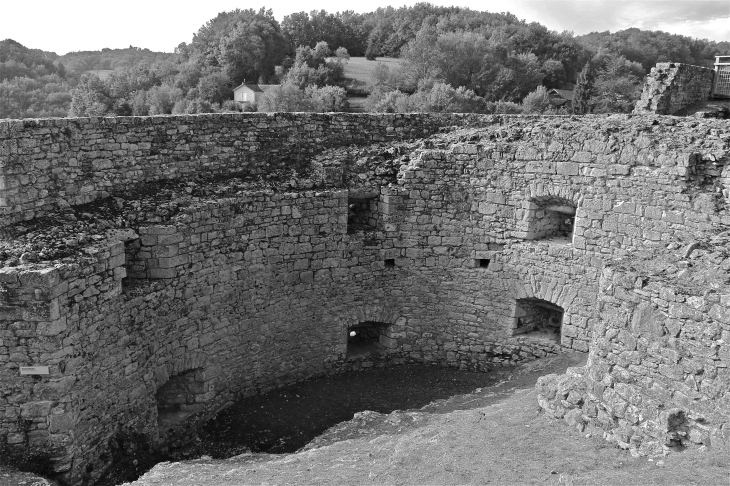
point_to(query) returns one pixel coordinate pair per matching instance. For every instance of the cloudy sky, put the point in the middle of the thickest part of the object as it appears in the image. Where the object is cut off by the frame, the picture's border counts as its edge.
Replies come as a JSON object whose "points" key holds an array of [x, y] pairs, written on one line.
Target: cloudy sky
{"points": [[160, 25]]}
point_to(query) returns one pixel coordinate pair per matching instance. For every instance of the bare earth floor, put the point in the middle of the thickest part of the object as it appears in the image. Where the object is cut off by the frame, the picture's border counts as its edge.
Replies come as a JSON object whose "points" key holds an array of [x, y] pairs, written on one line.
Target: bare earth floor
{"points": [[492, 436]]}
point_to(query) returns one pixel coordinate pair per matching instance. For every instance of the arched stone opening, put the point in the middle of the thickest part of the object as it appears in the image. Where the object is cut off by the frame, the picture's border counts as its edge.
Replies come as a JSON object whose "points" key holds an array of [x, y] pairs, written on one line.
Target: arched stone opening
{"points": [[538, 319], [181, 397], [550, 218], [367, 339]]}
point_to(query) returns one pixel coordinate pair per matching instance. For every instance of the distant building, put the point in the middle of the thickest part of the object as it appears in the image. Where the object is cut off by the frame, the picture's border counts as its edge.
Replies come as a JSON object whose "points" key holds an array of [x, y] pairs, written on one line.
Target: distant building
{"points": [[248, 93], [561, 97]]}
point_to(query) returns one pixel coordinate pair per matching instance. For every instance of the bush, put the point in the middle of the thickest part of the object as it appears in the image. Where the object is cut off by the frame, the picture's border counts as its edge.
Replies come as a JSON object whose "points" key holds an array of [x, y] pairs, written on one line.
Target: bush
{"points": [[191, 107], [434, 97], [328, 98], [504, 108], [370, 53], [536, 101], [230, 106], [287, 97], [389, 102]]}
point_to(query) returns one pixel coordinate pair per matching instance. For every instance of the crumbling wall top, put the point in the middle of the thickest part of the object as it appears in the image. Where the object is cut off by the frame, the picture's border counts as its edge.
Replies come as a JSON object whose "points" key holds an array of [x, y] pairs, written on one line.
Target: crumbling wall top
{"points": [[670, 87]]}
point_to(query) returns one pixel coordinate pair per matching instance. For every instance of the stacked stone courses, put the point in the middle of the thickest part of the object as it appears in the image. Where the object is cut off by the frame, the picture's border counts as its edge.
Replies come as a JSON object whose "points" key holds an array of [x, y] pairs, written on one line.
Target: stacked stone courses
{"points": [[242, 291], [75, 161], [670, 87]]}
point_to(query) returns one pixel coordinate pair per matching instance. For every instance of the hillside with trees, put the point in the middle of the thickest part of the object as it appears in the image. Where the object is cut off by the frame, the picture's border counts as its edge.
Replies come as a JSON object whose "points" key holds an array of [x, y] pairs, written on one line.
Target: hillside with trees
{"points": [[451, 59], [33, 83], [114, 59]]}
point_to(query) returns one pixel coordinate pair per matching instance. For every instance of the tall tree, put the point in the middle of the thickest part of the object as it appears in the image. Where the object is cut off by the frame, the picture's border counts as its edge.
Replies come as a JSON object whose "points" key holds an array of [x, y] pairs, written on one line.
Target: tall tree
{"points": [[90, 97], [251, 47], [583, 90]]}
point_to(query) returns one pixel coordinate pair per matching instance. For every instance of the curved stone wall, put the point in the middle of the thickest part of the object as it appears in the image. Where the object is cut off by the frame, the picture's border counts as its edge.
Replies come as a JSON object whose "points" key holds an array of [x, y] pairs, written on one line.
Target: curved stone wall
{"points": [[51, 163], [257, 288]]}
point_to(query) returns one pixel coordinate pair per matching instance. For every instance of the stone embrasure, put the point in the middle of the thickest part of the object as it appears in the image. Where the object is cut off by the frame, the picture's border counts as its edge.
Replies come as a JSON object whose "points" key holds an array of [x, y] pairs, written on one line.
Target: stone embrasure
{"points": [[170, 265]]}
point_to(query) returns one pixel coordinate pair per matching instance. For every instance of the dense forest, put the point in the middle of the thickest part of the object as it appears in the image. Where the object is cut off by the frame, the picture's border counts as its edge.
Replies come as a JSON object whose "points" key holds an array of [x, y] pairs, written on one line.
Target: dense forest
{"points": [[452, 59]]}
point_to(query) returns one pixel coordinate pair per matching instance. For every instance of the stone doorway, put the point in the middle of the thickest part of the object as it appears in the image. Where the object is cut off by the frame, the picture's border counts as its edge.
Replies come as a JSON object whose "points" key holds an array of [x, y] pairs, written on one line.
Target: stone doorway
{"points": [[538, 319], [183, 396], [364, 339]]}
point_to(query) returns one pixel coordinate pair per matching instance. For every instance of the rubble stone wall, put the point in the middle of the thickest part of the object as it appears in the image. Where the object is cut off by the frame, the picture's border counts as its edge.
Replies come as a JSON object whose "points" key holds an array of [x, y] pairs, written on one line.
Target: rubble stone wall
{"points": [[253, 291], [57, 162], [657, 376], [669, 87]]}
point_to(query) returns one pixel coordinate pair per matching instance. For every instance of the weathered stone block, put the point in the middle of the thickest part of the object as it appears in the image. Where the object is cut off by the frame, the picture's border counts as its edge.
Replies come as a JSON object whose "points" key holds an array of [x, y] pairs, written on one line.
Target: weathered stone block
{"points": [[162, 273], [36, 409], [567, 168]]}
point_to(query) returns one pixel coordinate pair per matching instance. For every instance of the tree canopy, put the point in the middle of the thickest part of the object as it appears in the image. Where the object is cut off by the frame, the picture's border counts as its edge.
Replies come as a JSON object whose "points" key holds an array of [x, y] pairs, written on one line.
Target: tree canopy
{"points": [[483, 57]]}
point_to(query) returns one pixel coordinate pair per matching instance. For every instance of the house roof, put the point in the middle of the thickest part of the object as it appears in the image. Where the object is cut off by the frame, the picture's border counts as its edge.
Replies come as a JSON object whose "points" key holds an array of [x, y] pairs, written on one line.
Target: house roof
{"points": [[256, 88], [566, 94], [252, 87]]}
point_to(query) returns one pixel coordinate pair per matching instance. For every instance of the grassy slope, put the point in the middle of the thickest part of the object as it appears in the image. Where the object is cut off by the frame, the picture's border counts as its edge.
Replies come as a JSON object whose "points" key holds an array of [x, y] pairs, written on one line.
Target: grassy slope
{"points": [[361, 70], [359, 73], [505, 442]]}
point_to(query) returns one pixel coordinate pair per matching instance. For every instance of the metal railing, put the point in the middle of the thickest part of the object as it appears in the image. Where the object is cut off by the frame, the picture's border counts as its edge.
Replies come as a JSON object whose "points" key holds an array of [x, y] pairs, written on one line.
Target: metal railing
{"points": [[721, 84]]}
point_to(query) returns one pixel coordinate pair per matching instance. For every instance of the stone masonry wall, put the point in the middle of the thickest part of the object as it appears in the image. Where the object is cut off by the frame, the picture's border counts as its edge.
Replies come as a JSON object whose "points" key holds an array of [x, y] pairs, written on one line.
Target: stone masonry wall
{"points": [[669, 87], [255, 290], [657, 377], [59, 162]]}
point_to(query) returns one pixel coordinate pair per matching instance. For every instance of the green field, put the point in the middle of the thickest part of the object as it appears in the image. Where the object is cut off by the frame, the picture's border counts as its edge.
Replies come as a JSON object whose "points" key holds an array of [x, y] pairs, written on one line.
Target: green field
{"points": [[360, 70], [359, 75]]}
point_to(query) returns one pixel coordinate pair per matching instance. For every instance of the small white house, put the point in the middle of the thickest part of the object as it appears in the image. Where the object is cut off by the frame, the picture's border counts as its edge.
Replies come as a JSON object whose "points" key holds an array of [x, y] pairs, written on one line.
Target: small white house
{"points": [[248, 93]]}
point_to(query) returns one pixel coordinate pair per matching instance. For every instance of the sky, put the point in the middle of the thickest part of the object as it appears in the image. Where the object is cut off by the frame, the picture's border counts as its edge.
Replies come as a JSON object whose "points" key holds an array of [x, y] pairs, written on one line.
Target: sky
{"points": [[160, 25]]}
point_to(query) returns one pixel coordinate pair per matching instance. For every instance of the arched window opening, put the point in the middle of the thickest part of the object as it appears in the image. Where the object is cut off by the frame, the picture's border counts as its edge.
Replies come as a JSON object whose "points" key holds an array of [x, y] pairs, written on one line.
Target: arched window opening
{"points": [[537, 318], [364, 339], [550, 218], [181, 397]]}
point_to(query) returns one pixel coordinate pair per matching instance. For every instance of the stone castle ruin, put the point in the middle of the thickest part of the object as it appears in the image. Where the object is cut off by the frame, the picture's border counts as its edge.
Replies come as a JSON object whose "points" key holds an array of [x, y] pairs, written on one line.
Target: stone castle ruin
{"points": [[162, 267], [676, 88]]}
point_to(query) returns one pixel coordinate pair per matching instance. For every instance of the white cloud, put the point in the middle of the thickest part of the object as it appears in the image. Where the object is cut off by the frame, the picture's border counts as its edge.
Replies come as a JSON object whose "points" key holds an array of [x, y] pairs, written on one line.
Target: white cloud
{"points": [[694, 18], [717, 29], [161, 25]]}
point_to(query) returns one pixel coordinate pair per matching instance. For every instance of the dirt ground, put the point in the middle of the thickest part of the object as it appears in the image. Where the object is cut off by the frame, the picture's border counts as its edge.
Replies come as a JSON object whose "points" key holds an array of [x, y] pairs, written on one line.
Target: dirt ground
{"points": [[475, 428], [494, 435], [286, 420]]}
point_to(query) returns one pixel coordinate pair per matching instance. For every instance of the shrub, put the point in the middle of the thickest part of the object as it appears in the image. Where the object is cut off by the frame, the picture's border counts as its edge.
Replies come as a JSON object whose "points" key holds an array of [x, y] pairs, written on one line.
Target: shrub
{"points": [[328, 98], [287, 97], [536, 101], [504, 107]]}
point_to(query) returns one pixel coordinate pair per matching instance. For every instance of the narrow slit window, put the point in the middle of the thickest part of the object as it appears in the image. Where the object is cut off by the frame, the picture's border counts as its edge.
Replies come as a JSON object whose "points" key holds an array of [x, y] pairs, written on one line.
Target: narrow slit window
{"points": [[482, 263]]}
